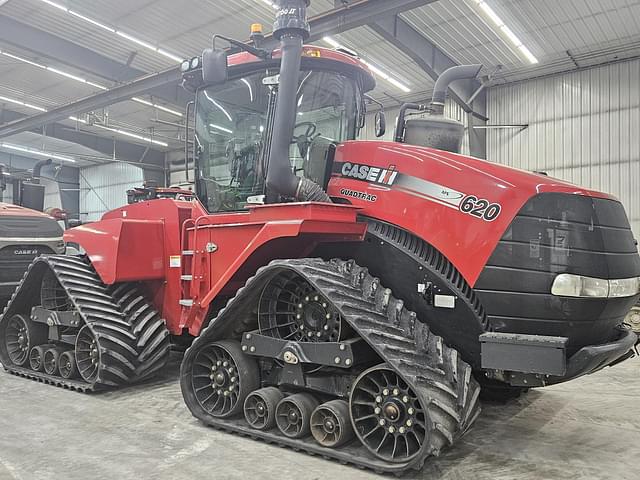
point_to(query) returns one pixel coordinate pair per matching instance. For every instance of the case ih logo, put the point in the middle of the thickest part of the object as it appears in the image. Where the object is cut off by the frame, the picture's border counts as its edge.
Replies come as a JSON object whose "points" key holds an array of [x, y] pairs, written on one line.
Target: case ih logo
{"points": [[367, 173], [25, 252]]}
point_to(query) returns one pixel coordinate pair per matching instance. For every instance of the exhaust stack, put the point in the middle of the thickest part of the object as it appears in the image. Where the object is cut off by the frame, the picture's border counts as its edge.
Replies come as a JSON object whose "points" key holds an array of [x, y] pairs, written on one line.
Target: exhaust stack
{"points": [[436, 130], [291, 28]]}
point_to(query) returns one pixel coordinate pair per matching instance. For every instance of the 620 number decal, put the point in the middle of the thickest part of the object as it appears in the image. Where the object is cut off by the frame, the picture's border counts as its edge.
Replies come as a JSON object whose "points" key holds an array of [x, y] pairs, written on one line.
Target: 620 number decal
{"points": [[480, 208]]}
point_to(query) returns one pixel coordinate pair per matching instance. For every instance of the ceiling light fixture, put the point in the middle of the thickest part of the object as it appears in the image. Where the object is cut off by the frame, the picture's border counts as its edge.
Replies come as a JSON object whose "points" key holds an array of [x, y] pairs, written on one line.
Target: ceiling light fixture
{"points": [[33, 151], [376, 70], [87, 82], [24, 104], [118, 32], [80, 120], [155, 105], [506, 31], [133, 135]]}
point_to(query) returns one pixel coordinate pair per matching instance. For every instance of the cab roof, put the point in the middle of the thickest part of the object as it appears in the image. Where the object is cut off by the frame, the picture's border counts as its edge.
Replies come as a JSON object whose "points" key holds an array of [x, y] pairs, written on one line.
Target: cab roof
{"points": [[312, 52]]}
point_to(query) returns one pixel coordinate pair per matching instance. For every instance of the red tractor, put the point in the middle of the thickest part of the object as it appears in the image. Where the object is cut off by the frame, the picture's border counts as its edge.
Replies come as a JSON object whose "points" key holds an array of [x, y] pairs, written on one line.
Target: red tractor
{"points": [[347, 298]]}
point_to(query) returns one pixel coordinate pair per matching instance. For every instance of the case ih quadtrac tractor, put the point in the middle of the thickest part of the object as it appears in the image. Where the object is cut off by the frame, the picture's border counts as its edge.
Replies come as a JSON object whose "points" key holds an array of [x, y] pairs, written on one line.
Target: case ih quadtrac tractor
{"points": [[347, 298]]}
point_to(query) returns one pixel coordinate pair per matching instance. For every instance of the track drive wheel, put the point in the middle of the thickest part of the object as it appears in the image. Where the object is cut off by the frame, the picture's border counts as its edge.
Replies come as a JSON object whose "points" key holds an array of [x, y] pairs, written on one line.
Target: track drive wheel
{"points": [[293, 415], [223, 376], [331, 424], [387, 415], [21, 335], [260, 408]]}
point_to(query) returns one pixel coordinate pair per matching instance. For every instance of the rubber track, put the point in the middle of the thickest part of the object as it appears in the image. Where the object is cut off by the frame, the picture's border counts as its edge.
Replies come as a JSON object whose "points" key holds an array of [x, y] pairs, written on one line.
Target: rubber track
{"points": [[153, 344], [438, 376], [93, 301]]}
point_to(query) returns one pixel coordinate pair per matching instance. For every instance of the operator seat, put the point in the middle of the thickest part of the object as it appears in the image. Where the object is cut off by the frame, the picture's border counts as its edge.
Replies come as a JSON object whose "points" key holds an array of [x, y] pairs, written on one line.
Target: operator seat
{"points": [[319, 161]]}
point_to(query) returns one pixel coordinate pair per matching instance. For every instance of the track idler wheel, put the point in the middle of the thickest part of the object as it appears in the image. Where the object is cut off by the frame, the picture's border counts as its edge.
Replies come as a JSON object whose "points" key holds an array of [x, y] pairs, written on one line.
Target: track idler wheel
{"points": [[67, 365], [387, 415], [87, 354], [331, 425], [50, 360], [223, 377], [260, 408], [20, 335], [36, 358], [293, 415]]}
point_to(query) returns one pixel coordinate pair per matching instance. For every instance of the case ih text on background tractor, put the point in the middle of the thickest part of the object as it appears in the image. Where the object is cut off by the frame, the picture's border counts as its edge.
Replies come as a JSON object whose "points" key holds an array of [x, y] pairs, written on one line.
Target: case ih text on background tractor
{"points": [[347, 298]]}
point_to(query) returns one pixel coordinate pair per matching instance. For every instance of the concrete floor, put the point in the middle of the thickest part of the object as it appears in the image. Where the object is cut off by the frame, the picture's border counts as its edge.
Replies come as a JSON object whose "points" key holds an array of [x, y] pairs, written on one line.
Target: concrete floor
{"points": [[586, 429]]}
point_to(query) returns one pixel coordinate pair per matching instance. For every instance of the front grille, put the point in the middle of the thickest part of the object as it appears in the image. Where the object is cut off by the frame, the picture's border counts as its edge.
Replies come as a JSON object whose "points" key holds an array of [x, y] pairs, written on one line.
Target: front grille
{"points": [[559, 233], [14, 260]]}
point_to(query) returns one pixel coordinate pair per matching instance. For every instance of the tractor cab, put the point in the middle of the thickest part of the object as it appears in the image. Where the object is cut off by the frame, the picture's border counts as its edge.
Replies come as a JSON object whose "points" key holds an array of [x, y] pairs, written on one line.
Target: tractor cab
{"points": [[235, 122]]}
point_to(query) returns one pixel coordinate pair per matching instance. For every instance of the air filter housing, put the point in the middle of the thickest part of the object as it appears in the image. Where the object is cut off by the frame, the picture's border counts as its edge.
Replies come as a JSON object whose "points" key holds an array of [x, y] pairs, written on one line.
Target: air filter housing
{"points": [[435, 131]]}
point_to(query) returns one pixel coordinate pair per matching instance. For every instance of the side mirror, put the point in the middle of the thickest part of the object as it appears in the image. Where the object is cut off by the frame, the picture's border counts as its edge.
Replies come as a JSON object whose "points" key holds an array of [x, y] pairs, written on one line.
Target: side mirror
{"points": [[214, 66], [381, 124]]}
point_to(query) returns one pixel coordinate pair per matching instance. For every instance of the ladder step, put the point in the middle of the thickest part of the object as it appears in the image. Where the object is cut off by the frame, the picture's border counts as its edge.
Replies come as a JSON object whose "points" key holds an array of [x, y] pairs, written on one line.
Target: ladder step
{"points": [[186, 278], [187, 252], [186, 303]]}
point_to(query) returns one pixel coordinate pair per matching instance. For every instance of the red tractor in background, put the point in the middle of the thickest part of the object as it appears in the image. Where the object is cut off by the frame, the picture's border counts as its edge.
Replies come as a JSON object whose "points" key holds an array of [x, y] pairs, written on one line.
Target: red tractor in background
{"points": [[347, 298]]}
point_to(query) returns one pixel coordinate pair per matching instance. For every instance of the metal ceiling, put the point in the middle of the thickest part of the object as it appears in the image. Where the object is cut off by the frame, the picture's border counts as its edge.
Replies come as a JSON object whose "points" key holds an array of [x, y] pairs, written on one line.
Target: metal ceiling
{"points": [[563, 35]]}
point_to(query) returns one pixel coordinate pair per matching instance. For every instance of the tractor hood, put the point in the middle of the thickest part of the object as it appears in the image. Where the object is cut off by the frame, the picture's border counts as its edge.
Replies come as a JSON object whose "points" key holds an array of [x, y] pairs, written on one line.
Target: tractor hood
{"points": [[23, 223], [423, 190]]}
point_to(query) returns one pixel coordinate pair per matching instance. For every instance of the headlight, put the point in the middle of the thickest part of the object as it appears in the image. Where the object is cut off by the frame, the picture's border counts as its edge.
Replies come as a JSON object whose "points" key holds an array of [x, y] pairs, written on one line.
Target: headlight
{"points": [[569, 285], [627, 287]]}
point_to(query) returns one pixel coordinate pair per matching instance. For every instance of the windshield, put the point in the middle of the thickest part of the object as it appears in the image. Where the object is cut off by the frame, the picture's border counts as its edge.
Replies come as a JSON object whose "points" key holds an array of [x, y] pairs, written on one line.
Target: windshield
{"points": [[233, 131]]}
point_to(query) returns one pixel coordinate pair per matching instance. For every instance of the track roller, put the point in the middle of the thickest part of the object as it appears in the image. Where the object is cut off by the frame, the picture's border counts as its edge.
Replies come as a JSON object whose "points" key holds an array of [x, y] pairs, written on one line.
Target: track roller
{"points": [[36, 358], [21, 334], [331, 424], [260, 408], [50, 359], [293, 415], [67, 365], [223, 377], [387, 415]]}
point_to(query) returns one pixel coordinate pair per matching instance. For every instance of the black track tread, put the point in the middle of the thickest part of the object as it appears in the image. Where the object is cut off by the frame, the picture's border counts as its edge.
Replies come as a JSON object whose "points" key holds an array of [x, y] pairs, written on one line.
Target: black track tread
{"points": [[153, 342], [102, 315], [125, 356], [444, 384]]}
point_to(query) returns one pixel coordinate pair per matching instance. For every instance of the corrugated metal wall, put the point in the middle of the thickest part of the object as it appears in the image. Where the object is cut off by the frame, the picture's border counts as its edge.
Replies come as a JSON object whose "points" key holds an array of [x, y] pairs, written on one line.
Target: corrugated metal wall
{"points": [[451, 110], [104, 187], [584, 127]]}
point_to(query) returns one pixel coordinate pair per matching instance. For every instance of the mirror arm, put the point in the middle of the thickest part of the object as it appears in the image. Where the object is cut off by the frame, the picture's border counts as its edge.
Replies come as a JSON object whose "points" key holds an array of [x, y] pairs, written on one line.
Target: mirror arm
{"points": [[373, 100]]}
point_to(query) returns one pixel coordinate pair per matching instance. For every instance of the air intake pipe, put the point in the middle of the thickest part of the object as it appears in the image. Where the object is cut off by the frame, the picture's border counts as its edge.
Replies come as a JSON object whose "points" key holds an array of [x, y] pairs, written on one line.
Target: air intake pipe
{"points": [[37, 168], [291, 28], [460, 72]]}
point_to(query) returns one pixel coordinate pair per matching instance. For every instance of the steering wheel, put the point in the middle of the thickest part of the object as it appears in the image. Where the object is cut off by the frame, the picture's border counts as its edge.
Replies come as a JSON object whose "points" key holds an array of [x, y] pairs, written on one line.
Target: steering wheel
{"points": [[303, 141]]}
